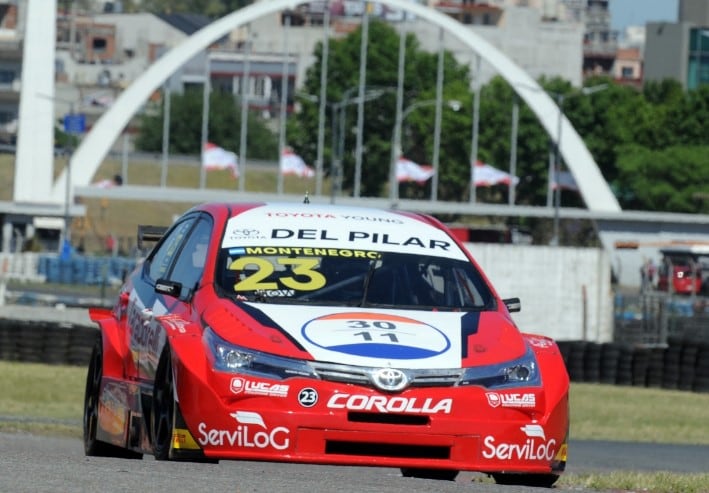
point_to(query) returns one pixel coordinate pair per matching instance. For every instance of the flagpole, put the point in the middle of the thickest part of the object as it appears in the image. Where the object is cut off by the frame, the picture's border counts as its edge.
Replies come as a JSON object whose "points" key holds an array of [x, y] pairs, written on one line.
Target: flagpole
{"points": [[205, 117], [245, 76], [165, 132], [439, 111], [360, 103], [476, 123], [124, 165], [513, 149], [557, 166], [396, 146], [323, 100], [284, 103]]}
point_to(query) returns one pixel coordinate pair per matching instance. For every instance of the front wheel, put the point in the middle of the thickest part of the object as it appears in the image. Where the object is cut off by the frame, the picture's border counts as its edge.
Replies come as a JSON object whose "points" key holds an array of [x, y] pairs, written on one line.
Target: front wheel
{"points": [[537, 480], [440, 474], [163, 412], [92, 394]]}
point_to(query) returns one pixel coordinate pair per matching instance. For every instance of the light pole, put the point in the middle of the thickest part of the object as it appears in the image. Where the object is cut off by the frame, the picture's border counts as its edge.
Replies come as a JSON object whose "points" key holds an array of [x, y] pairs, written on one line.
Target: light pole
{"points": [[396, 142], [74, 126], [554, 174], [341, 106]]}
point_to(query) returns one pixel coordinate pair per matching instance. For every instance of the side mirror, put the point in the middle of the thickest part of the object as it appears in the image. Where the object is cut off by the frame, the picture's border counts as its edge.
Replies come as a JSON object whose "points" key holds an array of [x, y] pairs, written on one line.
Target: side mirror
{"points": [[170, 288], [513, 305]]}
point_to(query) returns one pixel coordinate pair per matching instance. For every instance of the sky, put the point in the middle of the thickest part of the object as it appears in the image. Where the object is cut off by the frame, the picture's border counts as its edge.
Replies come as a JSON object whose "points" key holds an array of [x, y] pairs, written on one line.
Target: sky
{"points": [[637, 12]]}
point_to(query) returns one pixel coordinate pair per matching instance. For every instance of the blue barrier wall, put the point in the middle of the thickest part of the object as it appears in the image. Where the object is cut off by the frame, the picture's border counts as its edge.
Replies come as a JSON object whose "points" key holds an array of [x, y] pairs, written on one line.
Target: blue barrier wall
{"points": [[85, 270]]}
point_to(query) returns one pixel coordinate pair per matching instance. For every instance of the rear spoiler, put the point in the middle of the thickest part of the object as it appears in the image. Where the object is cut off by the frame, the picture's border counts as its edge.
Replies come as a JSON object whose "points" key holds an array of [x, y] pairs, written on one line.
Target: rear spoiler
{"points": [[150, 234]]}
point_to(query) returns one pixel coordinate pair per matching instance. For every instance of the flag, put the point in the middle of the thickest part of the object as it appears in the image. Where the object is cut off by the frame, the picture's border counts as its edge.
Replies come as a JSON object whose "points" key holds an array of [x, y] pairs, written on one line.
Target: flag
{"points": [[215, 157], [487, 176], [566, 182], [293, 164], [407, 170], [117, 180]]}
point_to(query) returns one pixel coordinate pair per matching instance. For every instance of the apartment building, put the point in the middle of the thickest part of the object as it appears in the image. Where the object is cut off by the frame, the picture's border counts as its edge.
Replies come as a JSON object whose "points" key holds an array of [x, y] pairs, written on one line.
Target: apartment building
{"points": [[680, 50], [11, 24]]}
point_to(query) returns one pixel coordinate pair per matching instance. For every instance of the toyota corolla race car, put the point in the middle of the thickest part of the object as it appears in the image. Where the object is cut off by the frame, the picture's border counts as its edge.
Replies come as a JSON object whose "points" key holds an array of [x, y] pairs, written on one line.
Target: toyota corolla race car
{"points": [[323, 334]]}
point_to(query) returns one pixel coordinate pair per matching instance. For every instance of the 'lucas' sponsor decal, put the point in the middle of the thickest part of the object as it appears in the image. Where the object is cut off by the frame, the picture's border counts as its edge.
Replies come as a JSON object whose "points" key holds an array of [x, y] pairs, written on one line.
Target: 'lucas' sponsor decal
{"points": [[511, 399]]}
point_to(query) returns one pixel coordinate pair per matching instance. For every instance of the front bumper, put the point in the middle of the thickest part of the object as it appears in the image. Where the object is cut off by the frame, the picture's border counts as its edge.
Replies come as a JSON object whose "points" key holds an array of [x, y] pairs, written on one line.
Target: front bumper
{"points": [[228, 416]]}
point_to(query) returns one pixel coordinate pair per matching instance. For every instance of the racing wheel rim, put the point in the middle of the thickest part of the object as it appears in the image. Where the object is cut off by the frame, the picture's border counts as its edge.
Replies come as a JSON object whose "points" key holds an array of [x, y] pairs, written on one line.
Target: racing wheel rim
{"points": [[163, 408], [93, 384]]}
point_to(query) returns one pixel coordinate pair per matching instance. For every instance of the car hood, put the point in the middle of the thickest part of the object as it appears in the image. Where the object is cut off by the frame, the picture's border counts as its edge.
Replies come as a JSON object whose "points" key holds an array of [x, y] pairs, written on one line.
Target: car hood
{"points": [[374, 337]]}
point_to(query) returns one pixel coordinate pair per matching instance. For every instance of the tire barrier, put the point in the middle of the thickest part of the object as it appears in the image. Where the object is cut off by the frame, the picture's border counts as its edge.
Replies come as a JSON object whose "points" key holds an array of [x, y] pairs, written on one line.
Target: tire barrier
{"points": [[681, 364], [46, 342]]}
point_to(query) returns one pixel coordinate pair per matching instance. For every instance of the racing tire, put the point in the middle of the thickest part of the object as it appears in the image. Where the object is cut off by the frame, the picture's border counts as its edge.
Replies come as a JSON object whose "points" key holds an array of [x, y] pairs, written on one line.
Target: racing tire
{"points": [[92, 446], [162, 417], [440, 474], [535, 480]]}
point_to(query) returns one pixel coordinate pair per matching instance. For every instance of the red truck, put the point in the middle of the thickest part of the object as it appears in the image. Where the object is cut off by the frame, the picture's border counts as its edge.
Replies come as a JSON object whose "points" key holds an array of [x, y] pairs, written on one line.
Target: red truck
{"points": [[688, 268]]}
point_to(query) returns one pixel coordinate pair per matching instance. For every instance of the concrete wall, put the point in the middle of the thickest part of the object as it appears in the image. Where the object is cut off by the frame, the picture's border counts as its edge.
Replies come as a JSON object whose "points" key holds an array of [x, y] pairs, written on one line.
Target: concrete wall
{"points": [[565, 292]]}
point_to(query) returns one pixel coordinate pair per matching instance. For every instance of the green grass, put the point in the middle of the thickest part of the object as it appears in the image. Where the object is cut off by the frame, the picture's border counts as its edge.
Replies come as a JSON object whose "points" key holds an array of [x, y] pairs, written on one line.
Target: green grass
{"points": [[41, 399], [48, 400], [630, 481], [607, 412]]}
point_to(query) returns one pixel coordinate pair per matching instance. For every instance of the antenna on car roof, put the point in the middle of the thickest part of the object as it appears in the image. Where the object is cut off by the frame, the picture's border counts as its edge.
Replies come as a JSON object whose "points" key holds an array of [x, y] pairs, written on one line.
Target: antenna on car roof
{"points": [[306, 199]]}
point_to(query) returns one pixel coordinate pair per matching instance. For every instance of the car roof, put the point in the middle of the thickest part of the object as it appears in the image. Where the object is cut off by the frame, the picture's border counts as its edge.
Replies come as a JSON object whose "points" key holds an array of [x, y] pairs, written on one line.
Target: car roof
{"points": [[327, 225], [688, 250]]}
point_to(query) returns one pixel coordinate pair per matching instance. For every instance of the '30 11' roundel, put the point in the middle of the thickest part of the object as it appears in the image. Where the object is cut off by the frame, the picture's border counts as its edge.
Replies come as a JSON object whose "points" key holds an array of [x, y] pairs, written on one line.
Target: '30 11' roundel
{"points": [[376, 335]]}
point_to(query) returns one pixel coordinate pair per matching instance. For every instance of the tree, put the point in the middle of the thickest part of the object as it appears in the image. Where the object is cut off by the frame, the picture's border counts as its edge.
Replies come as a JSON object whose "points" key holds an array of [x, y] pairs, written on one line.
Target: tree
{"points": [[419, 85], [186, 126], [673, 179]]}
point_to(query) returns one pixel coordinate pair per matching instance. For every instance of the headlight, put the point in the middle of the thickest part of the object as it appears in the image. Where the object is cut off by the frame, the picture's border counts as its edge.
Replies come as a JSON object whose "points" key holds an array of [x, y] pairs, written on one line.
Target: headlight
{"points": [[522, 372], [230, 358]]}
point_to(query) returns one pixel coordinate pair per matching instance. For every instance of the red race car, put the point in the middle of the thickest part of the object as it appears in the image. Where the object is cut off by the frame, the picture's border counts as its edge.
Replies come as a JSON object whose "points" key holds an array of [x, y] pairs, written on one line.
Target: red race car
{"points": [[323, 334]]}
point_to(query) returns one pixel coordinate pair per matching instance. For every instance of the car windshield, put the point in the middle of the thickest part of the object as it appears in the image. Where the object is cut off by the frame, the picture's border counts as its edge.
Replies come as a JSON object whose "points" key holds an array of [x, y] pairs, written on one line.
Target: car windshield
{"points": [[351, 278]]}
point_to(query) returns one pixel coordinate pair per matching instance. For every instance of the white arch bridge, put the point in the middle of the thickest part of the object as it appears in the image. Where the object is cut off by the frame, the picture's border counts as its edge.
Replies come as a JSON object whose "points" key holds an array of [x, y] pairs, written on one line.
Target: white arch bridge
{"points": [[88, 156]]}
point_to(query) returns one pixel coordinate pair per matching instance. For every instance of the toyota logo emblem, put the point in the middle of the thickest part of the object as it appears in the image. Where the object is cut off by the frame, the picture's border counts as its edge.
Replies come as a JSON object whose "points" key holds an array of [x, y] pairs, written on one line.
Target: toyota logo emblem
{"points": [[390, 379]]}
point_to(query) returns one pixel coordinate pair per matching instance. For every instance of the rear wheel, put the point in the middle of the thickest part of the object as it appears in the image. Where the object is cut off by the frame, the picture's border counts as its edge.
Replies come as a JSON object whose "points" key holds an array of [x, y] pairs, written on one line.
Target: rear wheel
{"points": [[537, 480], [163, 413], [441, 474], [92, 446]]}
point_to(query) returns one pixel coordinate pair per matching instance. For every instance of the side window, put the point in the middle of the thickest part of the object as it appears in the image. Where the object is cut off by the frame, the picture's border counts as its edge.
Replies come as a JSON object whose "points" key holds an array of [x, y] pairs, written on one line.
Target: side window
{"points": [[190, 262], [165, 254]]}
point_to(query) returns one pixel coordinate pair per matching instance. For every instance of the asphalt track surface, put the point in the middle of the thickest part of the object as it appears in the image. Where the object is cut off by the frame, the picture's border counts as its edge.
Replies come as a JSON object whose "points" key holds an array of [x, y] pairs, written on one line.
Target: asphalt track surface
{"points": [[32, 463]]}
